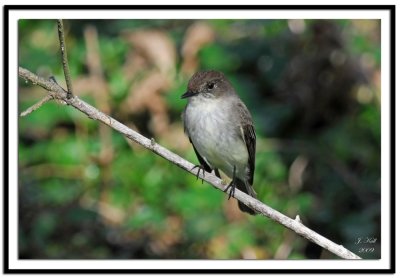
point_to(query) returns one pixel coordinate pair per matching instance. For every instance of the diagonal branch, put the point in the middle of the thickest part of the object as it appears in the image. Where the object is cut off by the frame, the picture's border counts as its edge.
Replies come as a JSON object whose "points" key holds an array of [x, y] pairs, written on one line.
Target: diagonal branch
{"points": [[293, 224]]}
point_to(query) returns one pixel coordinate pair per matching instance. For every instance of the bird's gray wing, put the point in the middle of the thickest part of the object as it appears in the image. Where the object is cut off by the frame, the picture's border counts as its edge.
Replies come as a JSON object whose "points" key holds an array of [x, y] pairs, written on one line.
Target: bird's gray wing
{"points": [[249, 137]]}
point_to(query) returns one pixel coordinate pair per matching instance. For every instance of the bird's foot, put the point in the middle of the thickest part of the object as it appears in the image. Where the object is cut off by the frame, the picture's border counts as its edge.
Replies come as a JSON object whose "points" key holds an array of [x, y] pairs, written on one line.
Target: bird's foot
{"points": [[232, 185], [199, 168]]}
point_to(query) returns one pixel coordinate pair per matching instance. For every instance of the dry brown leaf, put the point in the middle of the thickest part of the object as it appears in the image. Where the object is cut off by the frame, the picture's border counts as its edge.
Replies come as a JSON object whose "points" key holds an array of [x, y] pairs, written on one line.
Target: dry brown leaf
{"points": [[151, 67], [197, 35], [232, 211], [175, 138], [134, 64], [157, 47], [146, 95]]}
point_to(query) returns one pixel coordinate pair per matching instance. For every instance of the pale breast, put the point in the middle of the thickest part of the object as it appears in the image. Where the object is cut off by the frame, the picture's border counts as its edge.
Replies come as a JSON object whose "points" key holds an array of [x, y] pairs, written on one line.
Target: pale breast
{"points": [[213, 134]]}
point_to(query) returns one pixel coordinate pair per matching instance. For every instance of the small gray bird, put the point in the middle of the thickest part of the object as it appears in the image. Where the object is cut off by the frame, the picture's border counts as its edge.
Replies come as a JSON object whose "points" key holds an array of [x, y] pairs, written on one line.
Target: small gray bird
{"points": [[221, 130]]}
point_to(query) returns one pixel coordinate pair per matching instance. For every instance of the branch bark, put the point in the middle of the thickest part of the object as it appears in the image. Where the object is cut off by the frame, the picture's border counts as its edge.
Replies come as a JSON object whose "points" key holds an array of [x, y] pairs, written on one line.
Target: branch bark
{"points": [[37, 105], [57, 92], [64, 57]]}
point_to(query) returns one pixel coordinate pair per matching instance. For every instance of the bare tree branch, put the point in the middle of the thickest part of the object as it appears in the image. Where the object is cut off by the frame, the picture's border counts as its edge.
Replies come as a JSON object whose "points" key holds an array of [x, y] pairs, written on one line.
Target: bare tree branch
{"points": [[295, 225], [36, 105], [64, 57]]}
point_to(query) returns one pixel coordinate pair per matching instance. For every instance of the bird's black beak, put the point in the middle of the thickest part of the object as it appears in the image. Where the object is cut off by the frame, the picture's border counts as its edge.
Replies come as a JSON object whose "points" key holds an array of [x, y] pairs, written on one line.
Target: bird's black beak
{"points": [[188, 94]]}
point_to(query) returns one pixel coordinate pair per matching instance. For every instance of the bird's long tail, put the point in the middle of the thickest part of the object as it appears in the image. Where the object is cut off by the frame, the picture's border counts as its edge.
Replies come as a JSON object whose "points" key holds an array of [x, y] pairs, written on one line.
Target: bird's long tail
{"points": [[246, 188]]}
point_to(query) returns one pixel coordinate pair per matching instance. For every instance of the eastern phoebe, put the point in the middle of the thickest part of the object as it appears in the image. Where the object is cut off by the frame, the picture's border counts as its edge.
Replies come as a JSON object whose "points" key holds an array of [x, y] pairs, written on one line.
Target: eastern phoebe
{"points": [[221, 130]]}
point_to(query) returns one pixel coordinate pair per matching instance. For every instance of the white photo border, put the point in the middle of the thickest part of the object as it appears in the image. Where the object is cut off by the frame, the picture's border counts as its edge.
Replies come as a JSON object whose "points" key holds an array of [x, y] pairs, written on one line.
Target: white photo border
{"points": [[14, 265]]}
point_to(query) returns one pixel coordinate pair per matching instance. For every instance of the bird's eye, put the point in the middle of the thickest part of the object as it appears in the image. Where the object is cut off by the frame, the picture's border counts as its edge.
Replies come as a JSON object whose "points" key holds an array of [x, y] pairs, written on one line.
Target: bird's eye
{"points": [[210, 86]]}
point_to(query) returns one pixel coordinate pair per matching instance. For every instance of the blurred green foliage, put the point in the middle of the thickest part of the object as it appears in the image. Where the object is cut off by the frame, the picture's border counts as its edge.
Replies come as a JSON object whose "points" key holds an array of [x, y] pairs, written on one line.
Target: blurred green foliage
{"points": [[312, 87]]}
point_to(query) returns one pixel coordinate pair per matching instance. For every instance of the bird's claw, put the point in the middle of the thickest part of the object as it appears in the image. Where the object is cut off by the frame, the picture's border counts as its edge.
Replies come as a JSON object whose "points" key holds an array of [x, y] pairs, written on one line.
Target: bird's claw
{"points": [[200, 167], [232, 188], [231, 185]]}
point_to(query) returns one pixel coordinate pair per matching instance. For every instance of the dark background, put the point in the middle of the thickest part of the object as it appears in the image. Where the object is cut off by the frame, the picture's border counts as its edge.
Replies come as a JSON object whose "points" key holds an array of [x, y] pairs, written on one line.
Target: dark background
{"points": [[312, 86]]}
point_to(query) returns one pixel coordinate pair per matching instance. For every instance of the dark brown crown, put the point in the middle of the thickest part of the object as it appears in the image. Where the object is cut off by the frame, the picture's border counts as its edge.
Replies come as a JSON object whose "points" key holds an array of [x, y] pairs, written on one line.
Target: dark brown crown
{"points": [[201, 77]]}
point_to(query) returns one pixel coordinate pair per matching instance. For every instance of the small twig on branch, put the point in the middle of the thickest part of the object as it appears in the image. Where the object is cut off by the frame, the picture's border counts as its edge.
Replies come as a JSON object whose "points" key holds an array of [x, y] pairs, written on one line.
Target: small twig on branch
{"points": [[36, 105], [64, 57], [295, 225]]}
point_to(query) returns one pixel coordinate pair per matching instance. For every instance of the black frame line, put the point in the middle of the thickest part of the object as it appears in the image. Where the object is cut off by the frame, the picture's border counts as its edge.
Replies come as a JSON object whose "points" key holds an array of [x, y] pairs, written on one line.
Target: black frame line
{"points": [[392, 46]]}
